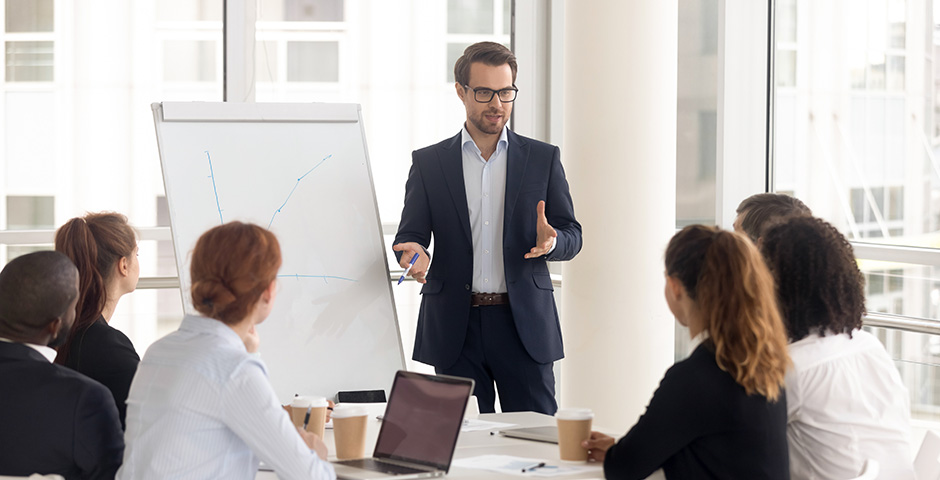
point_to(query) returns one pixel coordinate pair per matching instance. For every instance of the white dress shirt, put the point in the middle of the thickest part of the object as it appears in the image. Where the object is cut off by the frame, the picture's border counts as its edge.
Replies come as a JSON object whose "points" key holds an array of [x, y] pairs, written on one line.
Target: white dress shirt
{"points": [[845, 404], [201, 407], [485, 183]]}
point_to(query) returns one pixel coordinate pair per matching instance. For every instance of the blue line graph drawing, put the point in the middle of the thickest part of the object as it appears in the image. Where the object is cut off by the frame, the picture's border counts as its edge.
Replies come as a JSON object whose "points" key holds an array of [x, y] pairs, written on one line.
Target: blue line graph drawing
{"points": [[295, 188], [215, 190], [325, 278]]}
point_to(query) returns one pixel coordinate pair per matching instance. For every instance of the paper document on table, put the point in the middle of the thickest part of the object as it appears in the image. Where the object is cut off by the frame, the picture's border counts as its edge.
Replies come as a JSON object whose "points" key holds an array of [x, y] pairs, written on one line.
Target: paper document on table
{"points": [[475, 425], [515, 465]]}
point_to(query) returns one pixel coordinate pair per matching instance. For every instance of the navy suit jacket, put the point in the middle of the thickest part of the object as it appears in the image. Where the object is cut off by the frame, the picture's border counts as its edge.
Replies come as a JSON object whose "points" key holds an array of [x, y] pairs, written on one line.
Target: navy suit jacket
{"points": [[436, 204], [54, 419]]}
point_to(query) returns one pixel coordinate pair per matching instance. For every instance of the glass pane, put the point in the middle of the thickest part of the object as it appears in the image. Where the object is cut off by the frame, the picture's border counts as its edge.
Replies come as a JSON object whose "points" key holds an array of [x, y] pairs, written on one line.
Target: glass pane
{"points": [[29, 16], [454, 51], [785, 21], [189, 60], [313, 61], [302, 11], [786, 68], [169, 303], [266, 61], [895, 78], [846, 142], [30, 213], [876, 71], [897, 23], [470, 16], [696, 117], [189, 10], [507, 17], [29, 61], [917, 356]]}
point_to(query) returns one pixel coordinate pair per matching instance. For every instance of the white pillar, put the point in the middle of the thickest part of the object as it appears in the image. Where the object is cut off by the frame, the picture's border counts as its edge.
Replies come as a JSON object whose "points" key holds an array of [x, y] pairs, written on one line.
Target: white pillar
{"points": [[620, 154]]}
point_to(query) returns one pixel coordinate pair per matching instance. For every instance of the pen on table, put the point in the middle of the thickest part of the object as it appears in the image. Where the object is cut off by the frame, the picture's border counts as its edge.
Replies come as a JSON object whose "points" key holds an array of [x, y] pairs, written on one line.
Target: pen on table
{"points": [[411, 264], [533, 467]]}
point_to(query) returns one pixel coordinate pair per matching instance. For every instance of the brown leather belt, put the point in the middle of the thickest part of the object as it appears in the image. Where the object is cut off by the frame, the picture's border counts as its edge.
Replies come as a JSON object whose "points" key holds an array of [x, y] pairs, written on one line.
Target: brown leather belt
{"points": [[487, 299]]}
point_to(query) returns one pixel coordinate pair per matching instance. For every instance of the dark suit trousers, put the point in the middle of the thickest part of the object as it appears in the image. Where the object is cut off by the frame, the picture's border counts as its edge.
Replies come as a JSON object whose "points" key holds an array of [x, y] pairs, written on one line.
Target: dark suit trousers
{"points": [[493, 352]]}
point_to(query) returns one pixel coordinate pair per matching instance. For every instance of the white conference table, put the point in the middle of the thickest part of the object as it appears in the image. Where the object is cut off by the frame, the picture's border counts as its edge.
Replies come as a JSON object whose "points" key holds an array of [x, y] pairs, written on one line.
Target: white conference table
{"points": [[477, 443]]}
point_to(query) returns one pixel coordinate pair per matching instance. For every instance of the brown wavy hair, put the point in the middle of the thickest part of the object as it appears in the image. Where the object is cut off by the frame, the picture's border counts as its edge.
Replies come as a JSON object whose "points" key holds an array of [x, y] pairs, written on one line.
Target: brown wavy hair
{"points": [[232, 265], [819, 285], [725, 276], [95, 243], [488, 53]]}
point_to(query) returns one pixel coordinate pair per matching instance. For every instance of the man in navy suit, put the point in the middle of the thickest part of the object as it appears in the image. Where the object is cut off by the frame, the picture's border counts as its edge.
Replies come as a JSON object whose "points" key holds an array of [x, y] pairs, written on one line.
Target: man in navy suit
{"points": [[498, 207], [55, 420]]}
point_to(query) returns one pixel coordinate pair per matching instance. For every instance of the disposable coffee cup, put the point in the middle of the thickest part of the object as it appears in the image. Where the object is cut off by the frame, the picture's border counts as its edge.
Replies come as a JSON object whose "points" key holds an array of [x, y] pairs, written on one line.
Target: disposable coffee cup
{"points": [[317, 415], [349, 431], [298, 410], [574, 427]]}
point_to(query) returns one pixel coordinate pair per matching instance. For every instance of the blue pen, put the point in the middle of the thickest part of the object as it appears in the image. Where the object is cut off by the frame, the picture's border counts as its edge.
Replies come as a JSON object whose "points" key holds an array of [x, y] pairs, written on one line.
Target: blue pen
{"points": [[413, 260]]}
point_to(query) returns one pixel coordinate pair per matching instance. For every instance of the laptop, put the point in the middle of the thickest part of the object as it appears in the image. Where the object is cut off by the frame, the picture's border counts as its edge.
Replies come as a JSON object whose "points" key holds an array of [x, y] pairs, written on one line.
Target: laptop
{"points": [[539, 434], [419, 429]]}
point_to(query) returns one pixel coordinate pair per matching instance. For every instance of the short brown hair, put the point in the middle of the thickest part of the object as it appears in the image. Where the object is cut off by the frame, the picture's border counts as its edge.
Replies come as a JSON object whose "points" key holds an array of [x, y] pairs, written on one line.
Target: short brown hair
{"points": [[725, 276], [231, 267], [761, 211], [488, 53]]}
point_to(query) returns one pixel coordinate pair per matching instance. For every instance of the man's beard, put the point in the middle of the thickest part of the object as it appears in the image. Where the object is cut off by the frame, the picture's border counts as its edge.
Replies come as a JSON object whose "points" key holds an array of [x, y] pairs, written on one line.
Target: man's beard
{"points": [[484, 126]]}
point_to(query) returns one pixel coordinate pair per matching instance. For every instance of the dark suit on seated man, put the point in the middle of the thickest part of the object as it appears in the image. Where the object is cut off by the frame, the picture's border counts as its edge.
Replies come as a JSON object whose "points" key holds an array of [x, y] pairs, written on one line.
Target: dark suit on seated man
{"points": [[54, 420]]}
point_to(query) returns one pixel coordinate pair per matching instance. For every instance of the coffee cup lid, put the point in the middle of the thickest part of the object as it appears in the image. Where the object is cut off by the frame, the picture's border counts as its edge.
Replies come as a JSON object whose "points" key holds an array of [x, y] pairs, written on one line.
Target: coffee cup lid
{"points": [[346, 410], [574, 414], [304, 402]]}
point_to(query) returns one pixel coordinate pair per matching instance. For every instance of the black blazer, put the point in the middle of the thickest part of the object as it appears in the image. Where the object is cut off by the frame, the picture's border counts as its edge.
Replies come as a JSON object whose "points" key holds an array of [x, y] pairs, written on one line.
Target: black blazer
{"points": [[105, 354], [701, 424], [55, 420], [436, 204]]}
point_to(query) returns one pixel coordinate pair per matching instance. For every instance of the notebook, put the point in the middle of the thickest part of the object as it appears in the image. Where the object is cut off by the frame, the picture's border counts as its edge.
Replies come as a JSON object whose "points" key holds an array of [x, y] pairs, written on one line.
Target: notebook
{"points": [[419, 429]]}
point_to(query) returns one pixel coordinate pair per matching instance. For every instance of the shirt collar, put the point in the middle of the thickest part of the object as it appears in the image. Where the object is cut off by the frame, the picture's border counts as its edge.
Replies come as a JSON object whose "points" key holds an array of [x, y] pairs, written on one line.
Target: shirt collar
{"points": [[697, 340], [47, 352], [199, 324], [466, 139]]}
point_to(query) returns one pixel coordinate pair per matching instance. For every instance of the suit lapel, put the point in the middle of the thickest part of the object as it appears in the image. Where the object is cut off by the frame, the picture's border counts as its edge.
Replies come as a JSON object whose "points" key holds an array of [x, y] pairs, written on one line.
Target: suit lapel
{"points": [[452, 167], [517, 158]]}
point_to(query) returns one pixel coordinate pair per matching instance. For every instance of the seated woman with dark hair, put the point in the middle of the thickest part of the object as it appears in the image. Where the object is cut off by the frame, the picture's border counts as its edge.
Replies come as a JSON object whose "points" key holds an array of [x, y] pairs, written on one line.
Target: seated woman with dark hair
{"points": [[201, 405], [104, 249], [845, 399], [721, 413]]}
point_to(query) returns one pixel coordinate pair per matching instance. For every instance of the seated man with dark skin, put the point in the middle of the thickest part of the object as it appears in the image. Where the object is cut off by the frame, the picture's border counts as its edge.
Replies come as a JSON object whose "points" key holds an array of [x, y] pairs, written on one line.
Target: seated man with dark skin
{"points": [[55, 420]]}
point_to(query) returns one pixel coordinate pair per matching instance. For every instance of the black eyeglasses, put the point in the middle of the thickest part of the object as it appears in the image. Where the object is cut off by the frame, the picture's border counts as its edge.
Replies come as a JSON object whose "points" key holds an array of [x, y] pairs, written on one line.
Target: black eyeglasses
{"points": [[485, 95]]}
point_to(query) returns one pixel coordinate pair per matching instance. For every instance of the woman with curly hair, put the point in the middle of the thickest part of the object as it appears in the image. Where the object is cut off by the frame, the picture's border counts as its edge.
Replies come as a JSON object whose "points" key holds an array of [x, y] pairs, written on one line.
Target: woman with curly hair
{"points": [[845, 399], [721, 413]]}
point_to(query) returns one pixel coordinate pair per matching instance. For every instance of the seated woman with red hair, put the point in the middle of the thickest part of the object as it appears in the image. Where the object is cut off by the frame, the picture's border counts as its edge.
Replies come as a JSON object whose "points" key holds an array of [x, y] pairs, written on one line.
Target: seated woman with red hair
{"points": [[201, 405]]}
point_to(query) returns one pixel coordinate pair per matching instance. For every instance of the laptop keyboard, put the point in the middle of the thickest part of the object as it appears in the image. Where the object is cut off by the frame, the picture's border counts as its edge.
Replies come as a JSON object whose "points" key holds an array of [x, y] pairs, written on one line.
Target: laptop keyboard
{"points": [[380, 466]]}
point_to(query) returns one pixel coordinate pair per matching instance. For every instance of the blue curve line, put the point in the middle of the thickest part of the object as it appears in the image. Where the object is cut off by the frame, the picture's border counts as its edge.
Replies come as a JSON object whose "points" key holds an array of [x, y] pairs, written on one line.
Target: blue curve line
{"points": [[295, 188], [212, 176], [324, 277]]}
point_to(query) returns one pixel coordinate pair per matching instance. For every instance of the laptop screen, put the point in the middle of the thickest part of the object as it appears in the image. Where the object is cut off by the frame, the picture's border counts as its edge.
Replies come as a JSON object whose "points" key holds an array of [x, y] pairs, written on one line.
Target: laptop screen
{"points": [[423, 418]]}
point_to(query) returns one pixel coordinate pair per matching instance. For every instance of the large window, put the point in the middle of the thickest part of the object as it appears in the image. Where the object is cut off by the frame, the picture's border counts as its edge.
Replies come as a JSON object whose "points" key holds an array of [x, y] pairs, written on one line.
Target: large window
{"points": [[855, 138]]}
